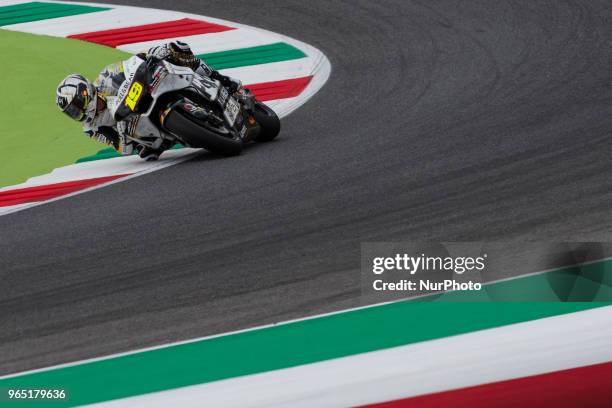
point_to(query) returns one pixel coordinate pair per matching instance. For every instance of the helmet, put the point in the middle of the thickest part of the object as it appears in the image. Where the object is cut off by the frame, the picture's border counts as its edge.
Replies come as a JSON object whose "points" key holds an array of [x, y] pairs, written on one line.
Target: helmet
{"points": [[177, 53], [181, 54], [74, 95]]}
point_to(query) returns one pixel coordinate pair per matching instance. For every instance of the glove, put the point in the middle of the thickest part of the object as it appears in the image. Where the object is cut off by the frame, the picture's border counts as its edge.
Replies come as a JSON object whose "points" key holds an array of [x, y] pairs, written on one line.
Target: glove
{"points": [[160, 52], [234, 85]]}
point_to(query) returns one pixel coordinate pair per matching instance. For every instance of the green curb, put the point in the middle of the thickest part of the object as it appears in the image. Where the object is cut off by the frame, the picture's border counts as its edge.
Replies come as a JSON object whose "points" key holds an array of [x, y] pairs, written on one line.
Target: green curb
{"points": [[36, 11], [263, 54], [279, 347], [110, 153], [313, 340]]}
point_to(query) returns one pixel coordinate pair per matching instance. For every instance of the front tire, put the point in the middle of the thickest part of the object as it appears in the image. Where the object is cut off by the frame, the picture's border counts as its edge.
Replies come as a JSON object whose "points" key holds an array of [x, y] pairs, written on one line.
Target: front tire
{"points": [[195, 135], [268, 120]]}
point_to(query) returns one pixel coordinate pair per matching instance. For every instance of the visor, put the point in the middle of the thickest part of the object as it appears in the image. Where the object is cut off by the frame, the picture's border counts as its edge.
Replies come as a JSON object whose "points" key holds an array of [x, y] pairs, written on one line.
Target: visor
{"points": [[76, 108], [74, 112]]}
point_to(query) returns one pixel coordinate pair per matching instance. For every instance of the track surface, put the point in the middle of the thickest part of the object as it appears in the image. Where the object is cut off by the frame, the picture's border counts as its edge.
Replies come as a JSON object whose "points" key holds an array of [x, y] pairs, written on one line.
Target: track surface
{"points": [[445, 120]]}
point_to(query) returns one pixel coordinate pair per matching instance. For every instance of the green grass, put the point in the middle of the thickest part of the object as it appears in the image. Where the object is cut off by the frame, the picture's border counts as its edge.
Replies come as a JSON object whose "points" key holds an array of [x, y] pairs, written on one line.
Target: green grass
{"points": [[35, 136]]}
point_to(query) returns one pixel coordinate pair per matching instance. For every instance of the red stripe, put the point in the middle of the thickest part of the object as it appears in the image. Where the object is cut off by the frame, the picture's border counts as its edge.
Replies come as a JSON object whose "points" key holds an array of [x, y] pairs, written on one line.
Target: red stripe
{"points": [[148, 32], [49, 191], [584, 387], [267, 91]]}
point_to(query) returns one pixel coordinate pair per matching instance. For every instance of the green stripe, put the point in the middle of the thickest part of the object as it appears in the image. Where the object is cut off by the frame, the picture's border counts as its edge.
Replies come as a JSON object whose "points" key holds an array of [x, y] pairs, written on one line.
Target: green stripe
{"points": [[580, 283], [110, 153], [35, 11], [281, 347], [304, 342], [263, 54]]}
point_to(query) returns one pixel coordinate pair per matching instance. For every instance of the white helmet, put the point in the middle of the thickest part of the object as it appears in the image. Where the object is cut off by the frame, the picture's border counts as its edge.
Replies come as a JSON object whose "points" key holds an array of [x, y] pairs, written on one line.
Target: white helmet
{"points": [[74, 96]]}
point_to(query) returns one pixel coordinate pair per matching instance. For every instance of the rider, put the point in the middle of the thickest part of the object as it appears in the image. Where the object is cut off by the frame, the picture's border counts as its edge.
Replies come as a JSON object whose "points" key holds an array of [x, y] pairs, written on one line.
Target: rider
{"points": [[86, 102]]}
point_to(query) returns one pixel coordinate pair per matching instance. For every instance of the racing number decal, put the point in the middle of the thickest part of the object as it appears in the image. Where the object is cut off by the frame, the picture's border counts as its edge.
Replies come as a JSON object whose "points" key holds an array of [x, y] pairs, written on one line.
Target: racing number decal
{"points": [[133, 96]]}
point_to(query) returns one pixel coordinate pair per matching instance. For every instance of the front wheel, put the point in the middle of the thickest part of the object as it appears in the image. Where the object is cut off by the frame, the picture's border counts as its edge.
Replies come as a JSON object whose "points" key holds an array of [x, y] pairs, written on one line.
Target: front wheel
{"points": [[195, 135], [268, 120]]}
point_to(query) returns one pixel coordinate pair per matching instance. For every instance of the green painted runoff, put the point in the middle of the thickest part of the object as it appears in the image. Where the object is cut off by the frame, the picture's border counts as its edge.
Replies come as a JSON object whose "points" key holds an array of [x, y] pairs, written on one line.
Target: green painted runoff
{"points": [[35, 137]]}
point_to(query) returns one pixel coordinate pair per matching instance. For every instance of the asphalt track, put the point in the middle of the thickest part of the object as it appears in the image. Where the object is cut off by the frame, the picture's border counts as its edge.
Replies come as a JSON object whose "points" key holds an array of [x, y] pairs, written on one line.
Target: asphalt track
{"points": [[442, 120]]}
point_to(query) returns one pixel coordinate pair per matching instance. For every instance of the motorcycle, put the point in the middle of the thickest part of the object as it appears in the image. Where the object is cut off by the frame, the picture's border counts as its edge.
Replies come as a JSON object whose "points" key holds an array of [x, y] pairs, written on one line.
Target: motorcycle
{"points": [[160, 104]]}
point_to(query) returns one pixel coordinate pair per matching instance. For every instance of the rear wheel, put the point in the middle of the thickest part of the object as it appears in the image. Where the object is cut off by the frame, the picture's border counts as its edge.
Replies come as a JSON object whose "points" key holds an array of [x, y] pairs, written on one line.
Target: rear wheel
{"points": [[196, 135], [268, 120]]}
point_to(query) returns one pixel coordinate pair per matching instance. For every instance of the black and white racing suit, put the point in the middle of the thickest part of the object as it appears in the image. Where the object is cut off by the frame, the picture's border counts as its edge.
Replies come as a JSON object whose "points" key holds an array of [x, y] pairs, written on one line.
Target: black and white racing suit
{"points": [[100, 124]]}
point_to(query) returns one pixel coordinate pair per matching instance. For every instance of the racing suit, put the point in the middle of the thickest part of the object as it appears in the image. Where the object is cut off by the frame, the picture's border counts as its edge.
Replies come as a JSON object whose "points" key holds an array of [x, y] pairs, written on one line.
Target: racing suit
{"points": [[99, 123]]}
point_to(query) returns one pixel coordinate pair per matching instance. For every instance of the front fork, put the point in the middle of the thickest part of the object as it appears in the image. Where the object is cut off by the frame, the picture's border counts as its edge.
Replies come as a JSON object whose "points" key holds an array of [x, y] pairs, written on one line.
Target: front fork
{"points": [[250, 128]]}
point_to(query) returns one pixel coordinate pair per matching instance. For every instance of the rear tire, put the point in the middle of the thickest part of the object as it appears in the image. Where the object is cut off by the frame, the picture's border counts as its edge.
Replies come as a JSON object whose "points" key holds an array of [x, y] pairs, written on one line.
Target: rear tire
{"points": [[195, 135], [269, 122]]}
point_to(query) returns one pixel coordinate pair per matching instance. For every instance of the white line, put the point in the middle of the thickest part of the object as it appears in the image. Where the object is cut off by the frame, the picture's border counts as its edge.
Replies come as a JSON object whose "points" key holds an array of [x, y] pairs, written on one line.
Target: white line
{"points": [[96, 21], [213, 42], [273, 71], [508, 352], [13, 2], [100, 168], [160, 164]]}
